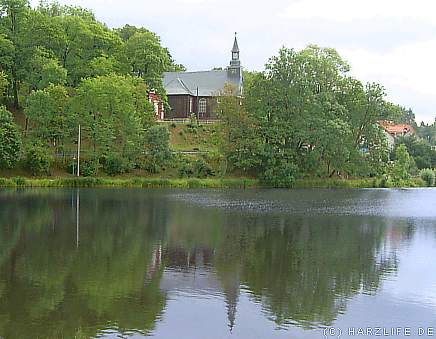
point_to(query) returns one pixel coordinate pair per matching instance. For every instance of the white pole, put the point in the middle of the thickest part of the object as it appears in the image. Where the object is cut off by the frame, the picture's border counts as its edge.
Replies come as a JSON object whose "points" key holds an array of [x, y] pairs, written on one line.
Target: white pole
{"points": [[78, 154], [77, 218]]}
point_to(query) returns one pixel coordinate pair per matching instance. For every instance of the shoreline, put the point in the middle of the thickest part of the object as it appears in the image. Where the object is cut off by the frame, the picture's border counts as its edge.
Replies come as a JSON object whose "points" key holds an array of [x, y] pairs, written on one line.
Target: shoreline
{"points": [[191, 183]]}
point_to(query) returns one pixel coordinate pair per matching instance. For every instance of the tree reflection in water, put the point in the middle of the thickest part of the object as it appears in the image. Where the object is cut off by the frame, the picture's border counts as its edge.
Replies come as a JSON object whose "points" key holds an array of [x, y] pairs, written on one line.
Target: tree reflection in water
{"points": [[115, 269]]}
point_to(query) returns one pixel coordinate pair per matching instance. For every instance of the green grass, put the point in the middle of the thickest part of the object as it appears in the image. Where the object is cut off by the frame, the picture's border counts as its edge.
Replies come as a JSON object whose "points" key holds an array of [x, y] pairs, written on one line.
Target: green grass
{"points": [[184, 138], [352, 183], [239, 183], [131, 182]]}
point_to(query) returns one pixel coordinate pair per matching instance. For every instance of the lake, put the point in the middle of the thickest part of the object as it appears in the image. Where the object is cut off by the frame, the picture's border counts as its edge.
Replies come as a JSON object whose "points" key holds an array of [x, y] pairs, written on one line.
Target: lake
{"points": [[213, 264]]}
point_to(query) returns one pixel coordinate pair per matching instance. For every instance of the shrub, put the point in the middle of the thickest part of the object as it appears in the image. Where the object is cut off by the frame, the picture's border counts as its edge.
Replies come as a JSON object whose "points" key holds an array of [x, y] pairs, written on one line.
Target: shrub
{"points": [[194, 168], [19, 181], [115, 165], [10, 140], [202, 169], [38, 159], [401, 168], [88, 168], [193, 122], [185, 170], [158, 148], [428, 175], [279, 173]]}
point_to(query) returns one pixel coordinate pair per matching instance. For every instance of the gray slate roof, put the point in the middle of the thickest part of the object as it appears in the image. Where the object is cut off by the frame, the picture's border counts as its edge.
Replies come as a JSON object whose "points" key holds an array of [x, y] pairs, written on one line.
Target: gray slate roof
{"points": [[209, 83]]}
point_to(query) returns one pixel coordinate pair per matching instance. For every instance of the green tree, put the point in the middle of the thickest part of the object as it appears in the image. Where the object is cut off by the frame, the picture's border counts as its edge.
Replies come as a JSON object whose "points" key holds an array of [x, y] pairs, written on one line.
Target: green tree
{"points": [[239, 141], [38, 158], [48, 115], [42, 70], [114, 113], [13, 15], [84, 40], [10, 140], [311, 113], [157, 148], [6, 60], [147, 59], [428, 175], [105, 65], [401, 167], [4, 83], [428, 132], [421, 151]]}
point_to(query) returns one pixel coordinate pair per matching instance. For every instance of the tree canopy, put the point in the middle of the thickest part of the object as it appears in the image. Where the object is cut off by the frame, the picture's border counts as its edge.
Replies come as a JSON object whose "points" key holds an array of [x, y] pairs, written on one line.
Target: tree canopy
{"points": [[311, 118], [62, 67]]}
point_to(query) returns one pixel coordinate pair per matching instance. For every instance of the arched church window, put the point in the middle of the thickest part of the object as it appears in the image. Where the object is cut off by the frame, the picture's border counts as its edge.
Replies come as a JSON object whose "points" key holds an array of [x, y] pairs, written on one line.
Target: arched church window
{"points": [[202, 107]]}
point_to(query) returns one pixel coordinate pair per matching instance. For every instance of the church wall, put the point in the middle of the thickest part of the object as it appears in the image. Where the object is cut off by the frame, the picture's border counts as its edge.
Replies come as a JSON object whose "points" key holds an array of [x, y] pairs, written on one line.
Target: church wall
{"points": [[181, 107]]}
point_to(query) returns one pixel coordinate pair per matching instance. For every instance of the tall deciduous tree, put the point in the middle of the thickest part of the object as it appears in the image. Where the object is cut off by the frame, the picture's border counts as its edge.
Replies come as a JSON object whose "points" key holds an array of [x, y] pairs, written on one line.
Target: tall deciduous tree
{"points": [[147, 59], [239, 141], [312, 115], [13, 15], [48, 115], [43, 69], [157, 146], [114, 113]]}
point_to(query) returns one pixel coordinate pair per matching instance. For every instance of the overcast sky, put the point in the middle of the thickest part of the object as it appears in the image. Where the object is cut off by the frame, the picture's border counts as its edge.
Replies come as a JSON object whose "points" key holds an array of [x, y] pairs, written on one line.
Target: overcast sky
{"points": [[392, 42]]}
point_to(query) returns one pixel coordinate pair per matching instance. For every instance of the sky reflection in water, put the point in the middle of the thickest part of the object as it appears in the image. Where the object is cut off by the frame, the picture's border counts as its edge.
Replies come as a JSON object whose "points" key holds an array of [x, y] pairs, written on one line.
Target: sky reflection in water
{"points": [[215, 264]]}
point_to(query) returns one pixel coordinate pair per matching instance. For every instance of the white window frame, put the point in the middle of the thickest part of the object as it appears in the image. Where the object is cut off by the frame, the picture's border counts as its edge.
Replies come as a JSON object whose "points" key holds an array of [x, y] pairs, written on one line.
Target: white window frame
{"points": [[202, 107]]}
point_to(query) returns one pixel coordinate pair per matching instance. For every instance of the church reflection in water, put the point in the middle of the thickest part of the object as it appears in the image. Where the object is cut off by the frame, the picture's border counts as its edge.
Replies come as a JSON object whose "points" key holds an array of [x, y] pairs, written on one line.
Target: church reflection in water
{"points": [[112, 266]]}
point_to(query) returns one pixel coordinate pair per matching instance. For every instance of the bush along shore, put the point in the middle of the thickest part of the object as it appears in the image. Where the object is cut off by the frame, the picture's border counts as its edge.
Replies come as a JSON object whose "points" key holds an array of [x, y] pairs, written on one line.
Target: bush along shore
{"points": [[193, 183]]}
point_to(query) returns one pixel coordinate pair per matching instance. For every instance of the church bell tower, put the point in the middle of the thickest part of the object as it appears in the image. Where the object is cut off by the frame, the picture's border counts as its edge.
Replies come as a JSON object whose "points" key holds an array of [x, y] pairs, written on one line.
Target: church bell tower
{"points": [[235, 69]]}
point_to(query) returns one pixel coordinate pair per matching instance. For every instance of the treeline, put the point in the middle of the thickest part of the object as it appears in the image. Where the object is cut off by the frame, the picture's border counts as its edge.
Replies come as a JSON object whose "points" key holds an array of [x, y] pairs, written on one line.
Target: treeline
{"points": [[62, 67], [305, 116]]}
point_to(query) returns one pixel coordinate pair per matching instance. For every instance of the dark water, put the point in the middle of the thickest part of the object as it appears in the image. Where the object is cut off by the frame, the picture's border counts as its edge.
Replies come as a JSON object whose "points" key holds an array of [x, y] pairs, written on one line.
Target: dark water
{"points": [[217, 264]]}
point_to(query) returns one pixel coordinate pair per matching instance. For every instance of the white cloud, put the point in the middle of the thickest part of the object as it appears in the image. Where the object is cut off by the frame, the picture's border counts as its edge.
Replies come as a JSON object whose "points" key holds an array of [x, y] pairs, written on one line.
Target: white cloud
{"points": [[349, 10], [406, 71]]}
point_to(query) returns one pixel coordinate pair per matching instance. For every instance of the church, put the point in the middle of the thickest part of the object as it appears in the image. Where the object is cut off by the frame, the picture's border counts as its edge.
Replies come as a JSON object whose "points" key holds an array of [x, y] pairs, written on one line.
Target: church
{"points": [[197, 92]]}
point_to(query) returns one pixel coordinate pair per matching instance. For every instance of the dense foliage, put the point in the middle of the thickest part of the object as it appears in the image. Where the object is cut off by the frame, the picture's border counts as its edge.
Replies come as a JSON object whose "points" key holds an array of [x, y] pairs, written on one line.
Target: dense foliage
{"points": [[428, 176], [64, 68], [304, 115], [10, 140], [38, 159]]}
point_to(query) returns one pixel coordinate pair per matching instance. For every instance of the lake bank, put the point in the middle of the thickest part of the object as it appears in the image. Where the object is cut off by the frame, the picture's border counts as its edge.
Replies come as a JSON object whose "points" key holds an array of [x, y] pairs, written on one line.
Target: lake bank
{"points": [[242, 183]]}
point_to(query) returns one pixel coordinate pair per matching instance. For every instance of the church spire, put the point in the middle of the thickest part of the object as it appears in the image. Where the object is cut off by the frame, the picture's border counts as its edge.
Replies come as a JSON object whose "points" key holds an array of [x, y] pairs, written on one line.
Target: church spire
{"points": [[235, 69], [235, 48], [235, 52]]}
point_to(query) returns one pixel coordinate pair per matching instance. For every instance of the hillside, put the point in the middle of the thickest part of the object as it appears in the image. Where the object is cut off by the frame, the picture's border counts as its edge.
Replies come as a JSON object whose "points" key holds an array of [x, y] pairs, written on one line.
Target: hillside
{"points": [[189, 138]]}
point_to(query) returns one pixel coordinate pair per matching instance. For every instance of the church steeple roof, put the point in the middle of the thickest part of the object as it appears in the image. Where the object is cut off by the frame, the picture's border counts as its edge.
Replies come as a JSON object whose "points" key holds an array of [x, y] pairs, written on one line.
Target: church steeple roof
{"points": [[235, 48]]}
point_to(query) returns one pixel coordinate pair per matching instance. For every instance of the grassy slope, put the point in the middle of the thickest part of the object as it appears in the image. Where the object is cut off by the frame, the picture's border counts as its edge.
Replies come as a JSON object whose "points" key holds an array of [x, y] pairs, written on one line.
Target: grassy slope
{"points": [[202, 138]]}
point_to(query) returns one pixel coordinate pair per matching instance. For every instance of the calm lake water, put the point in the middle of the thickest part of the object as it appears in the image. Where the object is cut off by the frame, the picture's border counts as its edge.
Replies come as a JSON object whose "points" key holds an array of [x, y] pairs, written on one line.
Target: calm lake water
{"points": [[217, 264]]}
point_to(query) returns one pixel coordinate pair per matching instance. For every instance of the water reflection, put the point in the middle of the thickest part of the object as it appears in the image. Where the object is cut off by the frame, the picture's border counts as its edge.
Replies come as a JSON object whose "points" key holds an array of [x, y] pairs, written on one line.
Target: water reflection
{"points": [[81, 264]]}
